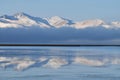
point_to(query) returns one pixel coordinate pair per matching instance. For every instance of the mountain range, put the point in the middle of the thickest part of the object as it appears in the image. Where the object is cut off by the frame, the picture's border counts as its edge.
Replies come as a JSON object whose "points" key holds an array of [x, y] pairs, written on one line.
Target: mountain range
{"points": [[24, 28], [23, 20]]}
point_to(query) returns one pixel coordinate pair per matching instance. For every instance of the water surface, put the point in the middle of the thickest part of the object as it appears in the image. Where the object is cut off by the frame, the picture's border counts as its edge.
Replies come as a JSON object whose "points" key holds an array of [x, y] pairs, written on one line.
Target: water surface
{"points": [[59, 63]]}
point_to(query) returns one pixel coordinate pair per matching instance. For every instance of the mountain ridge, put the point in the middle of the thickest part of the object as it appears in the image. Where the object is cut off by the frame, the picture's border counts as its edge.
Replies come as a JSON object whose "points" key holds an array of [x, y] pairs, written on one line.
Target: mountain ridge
{"points": [[21, 20]]}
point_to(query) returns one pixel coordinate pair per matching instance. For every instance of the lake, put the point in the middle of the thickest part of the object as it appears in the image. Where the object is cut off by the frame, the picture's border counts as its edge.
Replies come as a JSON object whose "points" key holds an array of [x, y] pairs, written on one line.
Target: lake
{"points": [[59, 63]]}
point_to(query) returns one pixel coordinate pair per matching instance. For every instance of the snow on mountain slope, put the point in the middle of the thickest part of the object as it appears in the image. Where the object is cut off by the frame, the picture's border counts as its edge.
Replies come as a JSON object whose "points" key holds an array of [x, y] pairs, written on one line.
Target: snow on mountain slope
{"points": [[27, 20], [58, 22], [89, 23], [8, 25], [24, 20], [117, 24], [20, 19]]}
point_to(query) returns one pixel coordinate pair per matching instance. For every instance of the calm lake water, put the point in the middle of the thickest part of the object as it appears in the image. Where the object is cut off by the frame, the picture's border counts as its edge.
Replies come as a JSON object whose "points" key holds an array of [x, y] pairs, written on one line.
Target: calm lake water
{"points": [[59, 63]]}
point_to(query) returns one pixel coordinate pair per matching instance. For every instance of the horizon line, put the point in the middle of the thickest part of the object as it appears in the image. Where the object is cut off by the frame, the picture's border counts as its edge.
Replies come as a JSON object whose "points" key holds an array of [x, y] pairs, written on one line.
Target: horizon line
{"points": [[67, 45]]}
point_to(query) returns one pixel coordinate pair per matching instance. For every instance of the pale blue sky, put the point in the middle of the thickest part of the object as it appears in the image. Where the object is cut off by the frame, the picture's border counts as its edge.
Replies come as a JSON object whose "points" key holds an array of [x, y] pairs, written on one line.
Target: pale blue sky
{"points": [[72, 9]]}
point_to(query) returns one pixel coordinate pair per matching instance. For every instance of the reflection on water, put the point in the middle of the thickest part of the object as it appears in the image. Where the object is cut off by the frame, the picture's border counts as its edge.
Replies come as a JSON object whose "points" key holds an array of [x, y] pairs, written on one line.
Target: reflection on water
{"points": [[60, 63]]}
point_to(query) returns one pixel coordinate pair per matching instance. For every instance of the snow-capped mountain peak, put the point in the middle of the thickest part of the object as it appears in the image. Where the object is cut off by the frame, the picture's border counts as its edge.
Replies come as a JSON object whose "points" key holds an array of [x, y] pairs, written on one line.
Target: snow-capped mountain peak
{"points": [[56, 18], [20, 15], [58, 22]]}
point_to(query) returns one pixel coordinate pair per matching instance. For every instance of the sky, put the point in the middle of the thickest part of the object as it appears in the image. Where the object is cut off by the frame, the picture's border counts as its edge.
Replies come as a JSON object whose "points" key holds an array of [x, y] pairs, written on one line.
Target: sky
{"points": [[72, 9]]}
